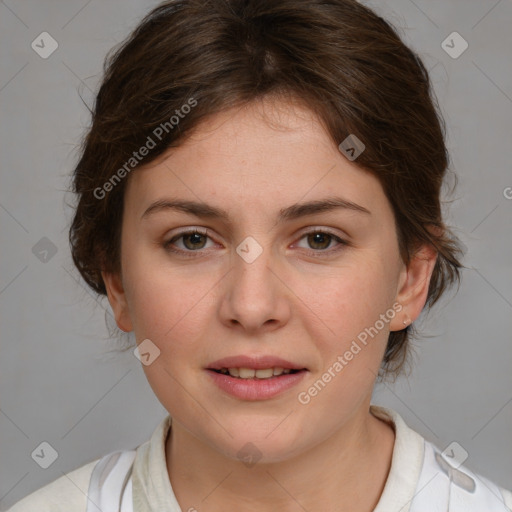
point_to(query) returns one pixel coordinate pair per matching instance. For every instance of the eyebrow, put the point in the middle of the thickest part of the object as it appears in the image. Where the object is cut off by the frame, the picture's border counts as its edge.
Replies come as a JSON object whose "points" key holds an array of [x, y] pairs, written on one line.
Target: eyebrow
{"points": [[292, 212]]}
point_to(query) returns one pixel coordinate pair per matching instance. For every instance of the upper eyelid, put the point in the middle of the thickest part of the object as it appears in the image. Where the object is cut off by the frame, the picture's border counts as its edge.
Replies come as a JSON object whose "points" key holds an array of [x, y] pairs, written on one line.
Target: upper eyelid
{"points": [[306, 231]]}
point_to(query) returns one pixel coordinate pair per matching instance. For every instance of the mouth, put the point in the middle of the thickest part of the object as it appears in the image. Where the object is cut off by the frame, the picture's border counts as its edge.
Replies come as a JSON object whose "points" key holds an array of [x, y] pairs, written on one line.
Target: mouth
{"points": [[253, 373], [255, 377]]}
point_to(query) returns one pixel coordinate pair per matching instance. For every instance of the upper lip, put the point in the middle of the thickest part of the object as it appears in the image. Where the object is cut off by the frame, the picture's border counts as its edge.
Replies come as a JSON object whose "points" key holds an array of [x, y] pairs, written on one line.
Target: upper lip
{"points": [[255, 362]]}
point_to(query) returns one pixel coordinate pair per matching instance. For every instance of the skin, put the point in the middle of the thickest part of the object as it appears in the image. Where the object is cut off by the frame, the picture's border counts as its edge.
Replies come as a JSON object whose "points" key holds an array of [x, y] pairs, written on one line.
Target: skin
{"points": [[301, 300]]}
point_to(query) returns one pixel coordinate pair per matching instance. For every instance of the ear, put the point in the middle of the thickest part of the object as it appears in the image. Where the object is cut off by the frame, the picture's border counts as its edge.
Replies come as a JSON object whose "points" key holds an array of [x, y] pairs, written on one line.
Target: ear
{"points": [[117, 298], [413, 286]]}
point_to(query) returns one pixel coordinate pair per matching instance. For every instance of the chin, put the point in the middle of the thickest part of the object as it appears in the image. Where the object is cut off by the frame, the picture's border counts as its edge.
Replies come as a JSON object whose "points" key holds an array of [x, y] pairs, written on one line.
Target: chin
{"points": [[258, 446]]}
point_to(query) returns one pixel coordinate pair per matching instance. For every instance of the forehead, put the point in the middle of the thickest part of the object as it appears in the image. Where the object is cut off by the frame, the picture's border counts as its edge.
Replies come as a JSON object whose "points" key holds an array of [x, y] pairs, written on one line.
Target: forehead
{"points": [[263, 154]]}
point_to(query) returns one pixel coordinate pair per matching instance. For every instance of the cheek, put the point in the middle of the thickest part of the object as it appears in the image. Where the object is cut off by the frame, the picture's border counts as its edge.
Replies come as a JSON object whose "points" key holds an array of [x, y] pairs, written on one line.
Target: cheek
{"points": [[167, 308], [171, 312], [171, 308], [350, 299], [351, 339]]}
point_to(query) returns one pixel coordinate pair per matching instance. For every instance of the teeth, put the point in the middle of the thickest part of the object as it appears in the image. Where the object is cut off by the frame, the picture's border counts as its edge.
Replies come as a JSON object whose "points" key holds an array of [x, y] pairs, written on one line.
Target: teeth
{"points": [[246, 373], [265, 374], [251, 373]]}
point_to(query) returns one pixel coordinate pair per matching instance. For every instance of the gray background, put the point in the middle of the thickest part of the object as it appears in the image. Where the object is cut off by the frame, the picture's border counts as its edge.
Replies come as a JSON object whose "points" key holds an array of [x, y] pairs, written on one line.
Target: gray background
{"points": [[60, 383]]}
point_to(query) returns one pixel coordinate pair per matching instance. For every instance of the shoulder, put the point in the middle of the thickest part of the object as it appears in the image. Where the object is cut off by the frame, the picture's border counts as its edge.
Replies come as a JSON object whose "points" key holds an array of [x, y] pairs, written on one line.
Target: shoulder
{"points": [[445, 479], [67, 493], [507, 496], [423, 478]]}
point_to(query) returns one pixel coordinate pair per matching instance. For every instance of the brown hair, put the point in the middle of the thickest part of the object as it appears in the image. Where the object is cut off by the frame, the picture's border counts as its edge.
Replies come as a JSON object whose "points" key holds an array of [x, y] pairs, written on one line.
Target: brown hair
{"points": [[337, 57]]}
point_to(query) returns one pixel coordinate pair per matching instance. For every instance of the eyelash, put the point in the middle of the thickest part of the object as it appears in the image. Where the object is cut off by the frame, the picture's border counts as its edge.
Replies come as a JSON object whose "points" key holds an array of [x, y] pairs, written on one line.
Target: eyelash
{"points": [[314, 252]]}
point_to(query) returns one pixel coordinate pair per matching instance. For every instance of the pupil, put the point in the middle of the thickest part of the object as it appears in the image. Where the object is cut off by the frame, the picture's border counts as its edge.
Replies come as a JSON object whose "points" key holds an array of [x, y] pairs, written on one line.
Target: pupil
{"points": [[321, 238], [195, 237]]}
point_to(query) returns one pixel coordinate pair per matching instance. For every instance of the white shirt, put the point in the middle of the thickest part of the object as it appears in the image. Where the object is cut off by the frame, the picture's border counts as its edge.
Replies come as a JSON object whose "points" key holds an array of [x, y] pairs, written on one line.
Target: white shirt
{"points": [[420, 478]]}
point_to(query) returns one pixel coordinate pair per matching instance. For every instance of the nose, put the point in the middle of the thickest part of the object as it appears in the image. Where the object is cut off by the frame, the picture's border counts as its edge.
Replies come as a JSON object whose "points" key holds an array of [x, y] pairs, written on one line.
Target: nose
{"points": [[255, 297]]}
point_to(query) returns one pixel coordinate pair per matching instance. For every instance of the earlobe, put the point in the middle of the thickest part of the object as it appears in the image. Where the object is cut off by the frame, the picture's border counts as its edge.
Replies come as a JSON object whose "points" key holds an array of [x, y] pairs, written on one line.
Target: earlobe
{"points": [[117, 299], [413, 287]]}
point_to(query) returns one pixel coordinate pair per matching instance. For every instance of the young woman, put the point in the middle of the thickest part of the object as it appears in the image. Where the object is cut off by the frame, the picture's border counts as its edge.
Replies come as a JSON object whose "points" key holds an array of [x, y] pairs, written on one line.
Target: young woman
{"points": [[259, 198]]}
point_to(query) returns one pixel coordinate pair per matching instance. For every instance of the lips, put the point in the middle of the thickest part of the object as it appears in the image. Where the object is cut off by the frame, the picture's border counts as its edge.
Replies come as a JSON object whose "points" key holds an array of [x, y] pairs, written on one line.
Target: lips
{"points": [[248, 377]]}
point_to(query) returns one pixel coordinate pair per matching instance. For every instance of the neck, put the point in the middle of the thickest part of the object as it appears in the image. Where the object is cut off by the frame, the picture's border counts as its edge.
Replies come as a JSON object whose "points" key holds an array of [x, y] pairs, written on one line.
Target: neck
{"points": [[345, 472]]}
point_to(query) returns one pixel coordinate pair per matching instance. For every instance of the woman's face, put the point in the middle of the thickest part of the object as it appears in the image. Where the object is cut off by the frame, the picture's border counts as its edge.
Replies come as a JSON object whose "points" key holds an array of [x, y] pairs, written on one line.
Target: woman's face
{"points": [[260, 284]]}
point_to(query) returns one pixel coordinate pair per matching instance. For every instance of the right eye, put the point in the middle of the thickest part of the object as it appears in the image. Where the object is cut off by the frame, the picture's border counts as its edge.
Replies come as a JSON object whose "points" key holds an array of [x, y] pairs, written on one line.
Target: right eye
{"points": [[193, 241]]}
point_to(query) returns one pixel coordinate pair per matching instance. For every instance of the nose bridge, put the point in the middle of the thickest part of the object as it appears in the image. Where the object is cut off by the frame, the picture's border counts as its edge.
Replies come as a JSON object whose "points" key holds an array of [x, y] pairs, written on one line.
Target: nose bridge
{"points": [[252, 296], [253, 265]]}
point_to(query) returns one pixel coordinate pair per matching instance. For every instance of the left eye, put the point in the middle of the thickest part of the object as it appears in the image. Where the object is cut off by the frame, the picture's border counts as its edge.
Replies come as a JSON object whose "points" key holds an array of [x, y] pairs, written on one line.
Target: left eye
{"points": [[321, 239]]}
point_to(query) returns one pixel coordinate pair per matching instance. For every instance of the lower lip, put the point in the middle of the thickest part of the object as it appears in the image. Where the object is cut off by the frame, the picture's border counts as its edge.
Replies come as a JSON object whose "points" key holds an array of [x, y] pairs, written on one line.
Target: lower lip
{"points": [[256, 389]]}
